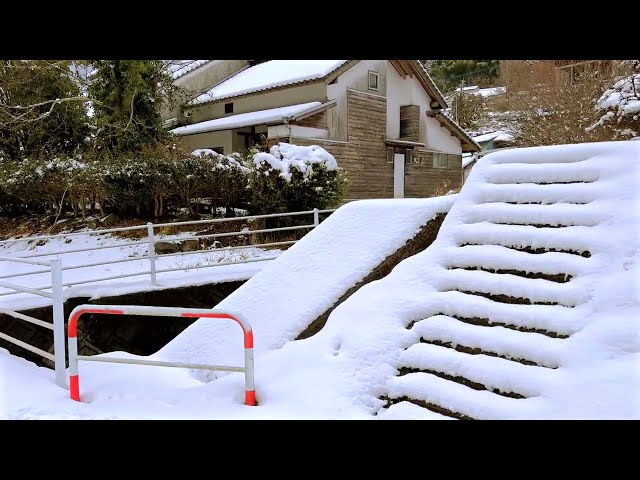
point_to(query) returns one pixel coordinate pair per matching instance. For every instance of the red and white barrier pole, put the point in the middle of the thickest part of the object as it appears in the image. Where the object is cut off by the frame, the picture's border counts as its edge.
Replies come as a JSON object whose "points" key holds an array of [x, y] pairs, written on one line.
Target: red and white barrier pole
{"points": [[74, 377]]}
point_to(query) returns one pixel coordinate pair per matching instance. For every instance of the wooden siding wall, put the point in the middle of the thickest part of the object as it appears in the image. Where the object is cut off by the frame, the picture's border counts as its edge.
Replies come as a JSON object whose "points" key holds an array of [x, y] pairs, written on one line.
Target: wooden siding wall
{"points": [[421, 178], [319, 120], [410, 123], [364, 157]]}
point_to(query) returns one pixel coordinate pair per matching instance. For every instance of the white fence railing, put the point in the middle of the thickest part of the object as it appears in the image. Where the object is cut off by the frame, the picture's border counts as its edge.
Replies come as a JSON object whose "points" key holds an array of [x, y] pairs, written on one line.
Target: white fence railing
{"points": [[56, 295], [152, 254]]}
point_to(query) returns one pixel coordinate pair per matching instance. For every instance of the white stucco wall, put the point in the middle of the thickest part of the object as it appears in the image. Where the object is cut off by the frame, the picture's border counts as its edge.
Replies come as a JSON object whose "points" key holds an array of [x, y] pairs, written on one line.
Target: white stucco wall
{"points": [[439, 138], [209, 140], [408, 91]]}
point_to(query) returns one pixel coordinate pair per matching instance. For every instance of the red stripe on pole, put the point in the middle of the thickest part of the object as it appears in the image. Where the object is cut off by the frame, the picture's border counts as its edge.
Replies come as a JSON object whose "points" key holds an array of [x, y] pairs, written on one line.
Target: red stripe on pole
{"points": [[250, 398], [74, 387], [213, 315], [73, 321], [248, 339]]}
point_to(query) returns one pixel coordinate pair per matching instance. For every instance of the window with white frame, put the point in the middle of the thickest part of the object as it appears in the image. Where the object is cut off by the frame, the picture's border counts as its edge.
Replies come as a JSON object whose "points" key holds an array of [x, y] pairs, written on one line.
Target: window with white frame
{"points": [[440, 160], [374, 81]]}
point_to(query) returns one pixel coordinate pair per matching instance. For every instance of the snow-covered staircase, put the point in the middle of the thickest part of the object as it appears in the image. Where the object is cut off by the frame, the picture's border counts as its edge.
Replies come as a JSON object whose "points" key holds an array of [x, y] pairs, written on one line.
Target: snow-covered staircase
{"points": [[509, 288]]}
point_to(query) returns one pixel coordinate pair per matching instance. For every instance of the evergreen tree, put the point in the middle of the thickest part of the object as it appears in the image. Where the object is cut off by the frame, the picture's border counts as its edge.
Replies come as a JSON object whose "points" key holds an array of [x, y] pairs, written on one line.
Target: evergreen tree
{"points": [[42, 112], [128, 97], [448, 74]]}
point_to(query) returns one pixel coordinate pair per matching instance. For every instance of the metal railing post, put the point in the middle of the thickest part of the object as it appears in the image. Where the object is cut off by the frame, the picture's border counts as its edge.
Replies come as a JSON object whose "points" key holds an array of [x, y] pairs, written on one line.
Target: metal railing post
{"points": [[58, 323], [152, 253], [316, 217]]}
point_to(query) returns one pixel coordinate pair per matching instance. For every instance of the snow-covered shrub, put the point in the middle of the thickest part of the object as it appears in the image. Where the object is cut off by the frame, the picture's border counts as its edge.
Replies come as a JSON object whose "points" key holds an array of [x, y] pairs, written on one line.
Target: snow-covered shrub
{"points": [[227, 180], [127, 184], [40, 182], [619, 108], [292, 178]]}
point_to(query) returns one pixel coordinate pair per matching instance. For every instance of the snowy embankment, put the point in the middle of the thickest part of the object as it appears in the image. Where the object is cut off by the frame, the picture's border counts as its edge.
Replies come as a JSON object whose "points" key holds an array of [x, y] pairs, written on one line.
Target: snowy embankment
{"points": [[194, 269], [309, 278], [494, 320]]}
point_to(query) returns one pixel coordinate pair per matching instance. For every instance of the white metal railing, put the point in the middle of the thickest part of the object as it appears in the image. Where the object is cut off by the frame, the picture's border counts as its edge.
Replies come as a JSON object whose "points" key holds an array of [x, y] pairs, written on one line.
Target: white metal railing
{"points": [[152, 255], [56, 296]]}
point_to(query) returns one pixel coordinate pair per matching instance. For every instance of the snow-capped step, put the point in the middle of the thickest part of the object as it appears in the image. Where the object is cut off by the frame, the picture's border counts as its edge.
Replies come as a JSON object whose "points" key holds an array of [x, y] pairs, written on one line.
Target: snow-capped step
{"points": [[529, 291], [480, 372], [550, 320], [569, 239], [458, 399], [555, 215], [506, 343], [429, 408], [580, 193], [533, 251], [499, 258], [558, 277], [410, 411], [545, 173]]}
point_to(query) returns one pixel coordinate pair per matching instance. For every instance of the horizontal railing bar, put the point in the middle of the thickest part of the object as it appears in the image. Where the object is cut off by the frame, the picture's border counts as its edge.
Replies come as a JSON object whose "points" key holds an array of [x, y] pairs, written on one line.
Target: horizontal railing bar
{"points": [[89, 249], [25, 290], [246, 232], [81, 282], [26, 318], [25, 260], [158, 363], [76, 234], [26, 346], [97, 264], [178, 239], [75, 267], [124, 275], [196, 267], [213, 250], [158, 225], [232, 219], [25, 274]]}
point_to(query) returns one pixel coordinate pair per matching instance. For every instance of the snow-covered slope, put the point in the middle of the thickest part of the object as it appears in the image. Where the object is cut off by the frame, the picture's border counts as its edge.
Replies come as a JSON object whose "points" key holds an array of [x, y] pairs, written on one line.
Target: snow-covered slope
{"points": [[289, 294]]}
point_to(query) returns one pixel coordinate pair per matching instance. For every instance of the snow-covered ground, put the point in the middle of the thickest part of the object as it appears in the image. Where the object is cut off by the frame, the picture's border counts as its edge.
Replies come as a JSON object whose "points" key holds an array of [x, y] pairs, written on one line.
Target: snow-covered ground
{"points": [[345, 369], [194, 269]]}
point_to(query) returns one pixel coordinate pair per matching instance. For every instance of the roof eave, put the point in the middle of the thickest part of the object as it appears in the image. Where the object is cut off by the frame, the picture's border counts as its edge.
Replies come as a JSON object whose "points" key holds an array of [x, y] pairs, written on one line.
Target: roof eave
{"points": [[456, 130], [280, 121], [428, 83], [312, 111]]}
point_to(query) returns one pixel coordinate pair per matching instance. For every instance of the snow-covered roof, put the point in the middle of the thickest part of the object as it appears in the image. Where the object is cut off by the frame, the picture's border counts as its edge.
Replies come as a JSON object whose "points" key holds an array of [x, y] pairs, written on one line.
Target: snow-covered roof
{"points": [[486, 137], [483, 92], [179, 68], [468, 89], [468, 159], [504, 136], [492, 91], [261, 117], [275, 73]]}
